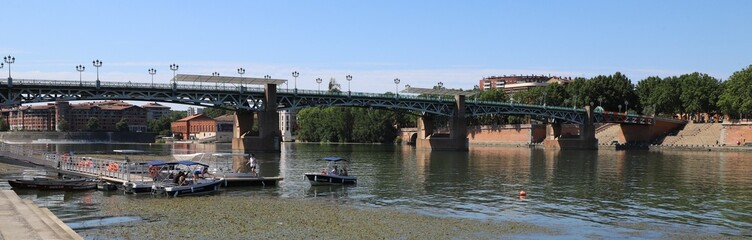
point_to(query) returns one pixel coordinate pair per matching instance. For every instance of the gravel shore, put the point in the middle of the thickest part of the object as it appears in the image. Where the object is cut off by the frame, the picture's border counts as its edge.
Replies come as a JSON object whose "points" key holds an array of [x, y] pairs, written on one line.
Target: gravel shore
{"points": [[230, 217]]}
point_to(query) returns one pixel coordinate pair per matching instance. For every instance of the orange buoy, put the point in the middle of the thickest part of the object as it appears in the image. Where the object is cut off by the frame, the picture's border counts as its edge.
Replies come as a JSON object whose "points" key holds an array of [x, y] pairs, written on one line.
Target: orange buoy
{"points": [[523, 193]]}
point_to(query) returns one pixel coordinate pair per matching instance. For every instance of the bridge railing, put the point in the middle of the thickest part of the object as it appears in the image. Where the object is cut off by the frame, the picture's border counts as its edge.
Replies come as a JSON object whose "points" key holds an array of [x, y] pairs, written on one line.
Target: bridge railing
{"points": [[180, 86]]}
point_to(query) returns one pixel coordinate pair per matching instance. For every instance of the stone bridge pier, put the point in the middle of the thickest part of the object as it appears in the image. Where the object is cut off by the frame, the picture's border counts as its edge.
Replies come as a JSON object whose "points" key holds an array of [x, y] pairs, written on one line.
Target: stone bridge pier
{"points": [[586, 139], [267, 138], [457, 139]]}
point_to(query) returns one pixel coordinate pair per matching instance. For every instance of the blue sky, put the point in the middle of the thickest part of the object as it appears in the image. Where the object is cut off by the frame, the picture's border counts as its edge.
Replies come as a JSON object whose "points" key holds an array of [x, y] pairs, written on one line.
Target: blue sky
{"points": [[420, 42]]}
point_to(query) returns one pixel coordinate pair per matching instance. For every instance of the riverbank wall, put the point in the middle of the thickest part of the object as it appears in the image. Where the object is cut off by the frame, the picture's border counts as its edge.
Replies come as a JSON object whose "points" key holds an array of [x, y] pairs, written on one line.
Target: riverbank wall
{"points": [[73, 137]]}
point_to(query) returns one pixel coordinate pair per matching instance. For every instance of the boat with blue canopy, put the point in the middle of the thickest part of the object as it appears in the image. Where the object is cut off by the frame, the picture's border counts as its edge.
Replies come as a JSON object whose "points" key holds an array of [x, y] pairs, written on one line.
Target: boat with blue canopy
{"points": [[183, 178], [337, 172]]}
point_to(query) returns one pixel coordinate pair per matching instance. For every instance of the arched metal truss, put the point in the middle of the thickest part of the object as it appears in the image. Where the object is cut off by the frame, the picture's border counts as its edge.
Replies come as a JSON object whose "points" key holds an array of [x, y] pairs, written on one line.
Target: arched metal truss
{"points": [[37, 91], [240, 97]]}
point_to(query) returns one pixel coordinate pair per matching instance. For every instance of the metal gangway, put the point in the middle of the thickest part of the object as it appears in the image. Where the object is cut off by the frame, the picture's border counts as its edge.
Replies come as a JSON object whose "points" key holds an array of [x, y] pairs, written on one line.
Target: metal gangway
{"points": [[119, 171]]}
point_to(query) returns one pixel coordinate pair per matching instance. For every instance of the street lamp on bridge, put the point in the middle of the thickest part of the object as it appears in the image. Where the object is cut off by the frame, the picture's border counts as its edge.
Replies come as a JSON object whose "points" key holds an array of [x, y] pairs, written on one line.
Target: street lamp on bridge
{"points": [[97, 64], [241, 71], [295, 75], [626, 106], [396, 85], [318, 80], [574, 101], [174, 68], [349, 78], [216, 74], [80, 68], [9, 60], [152, 71]]}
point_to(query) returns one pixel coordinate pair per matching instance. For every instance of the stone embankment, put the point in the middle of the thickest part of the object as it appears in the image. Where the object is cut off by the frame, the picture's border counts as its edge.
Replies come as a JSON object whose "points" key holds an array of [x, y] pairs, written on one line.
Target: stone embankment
{"points": [[23, 220]]}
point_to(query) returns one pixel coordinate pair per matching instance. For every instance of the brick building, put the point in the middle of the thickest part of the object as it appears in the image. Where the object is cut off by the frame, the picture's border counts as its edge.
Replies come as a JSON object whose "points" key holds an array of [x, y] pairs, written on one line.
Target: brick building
{"points": [[47, 117], [514, 83], [156, 111], [194, 127]]}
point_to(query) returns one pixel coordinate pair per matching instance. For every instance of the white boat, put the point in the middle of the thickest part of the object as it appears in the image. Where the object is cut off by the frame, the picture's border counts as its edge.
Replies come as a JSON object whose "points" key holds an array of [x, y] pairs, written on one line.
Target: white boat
{"points": [[191, 183], [222, 167], [336, 172]]}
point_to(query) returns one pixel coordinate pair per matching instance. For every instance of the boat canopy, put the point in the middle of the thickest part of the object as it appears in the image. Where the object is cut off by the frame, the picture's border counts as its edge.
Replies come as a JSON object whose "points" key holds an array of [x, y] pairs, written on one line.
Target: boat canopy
{"points": [[156, 162], [333, 159], [128, 151], [187, 163], [229, 154]]}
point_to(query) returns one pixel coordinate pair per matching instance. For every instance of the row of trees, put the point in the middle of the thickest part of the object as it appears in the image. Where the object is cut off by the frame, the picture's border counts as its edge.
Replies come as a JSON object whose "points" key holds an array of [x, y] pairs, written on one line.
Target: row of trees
{"points": [[338, 124], [691, 93]]}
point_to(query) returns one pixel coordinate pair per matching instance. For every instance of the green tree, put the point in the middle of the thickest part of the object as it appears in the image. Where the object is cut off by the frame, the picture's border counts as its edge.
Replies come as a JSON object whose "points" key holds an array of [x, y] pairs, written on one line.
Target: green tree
{"points": [[611, 91], [736, 95], [339, 124], [699, 93], [93, 124], [491, 95], [215, 112], [122, 125], [4, 125], [63, 125]]}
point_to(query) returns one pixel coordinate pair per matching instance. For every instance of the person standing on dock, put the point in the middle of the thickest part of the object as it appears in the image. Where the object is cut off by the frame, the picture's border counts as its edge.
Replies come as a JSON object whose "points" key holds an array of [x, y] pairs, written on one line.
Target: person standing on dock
{"points": [[252, 163]]}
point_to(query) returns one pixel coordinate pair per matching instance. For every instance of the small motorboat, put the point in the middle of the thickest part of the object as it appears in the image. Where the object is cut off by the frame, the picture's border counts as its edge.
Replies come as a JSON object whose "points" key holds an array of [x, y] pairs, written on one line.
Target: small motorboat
{"points": [[188, 181], [106, 186], [336, 172], [54, 184]]}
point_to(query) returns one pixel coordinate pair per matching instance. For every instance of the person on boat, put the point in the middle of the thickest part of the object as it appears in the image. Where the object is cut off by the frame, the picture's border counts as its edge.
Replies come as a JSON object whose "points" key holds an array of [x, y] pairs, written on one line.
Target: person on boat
{"points": [[335, 171], [198, 173], [343, 172], [180, 178], [206, 172]]}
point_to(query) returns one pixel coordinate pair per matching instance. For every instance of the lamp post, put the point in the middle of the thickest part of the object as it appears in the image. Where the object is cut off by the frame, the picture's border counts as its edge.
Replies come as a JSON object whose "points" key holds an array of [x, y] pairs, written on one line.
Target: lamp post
{"points": [[349, 78], [97, 64], [600, 101], [396, 85], [441, 85], [174, 68], [626, 106], [241, 71], [619, 107], [9, 60], [80, 68], [318, 80], [152, 71], [574, 101], [295, 75]]}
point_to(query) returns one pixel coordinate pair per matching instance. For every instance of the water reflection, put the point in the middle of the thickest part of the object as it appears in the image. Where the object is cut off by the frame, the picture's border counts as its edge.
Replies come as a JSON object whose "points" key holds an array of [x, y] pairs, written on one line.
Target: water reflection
{"points": [[598, 193], [333, 192]]}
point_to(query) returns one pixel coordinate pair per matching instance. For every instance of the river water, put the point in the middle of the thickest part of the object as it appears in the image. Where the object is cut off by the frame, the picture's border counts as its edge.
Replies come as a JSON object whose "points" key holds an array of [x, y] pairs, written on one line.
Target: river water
{"points": [[604, 193]]}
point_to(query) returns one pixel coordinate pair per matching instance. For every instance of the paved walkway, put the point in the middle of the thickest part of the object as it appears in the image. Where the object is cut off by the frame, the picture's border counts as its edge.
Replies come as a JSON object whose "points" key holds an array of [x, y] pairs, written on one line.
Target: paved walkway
{"points": [[21, 219]]}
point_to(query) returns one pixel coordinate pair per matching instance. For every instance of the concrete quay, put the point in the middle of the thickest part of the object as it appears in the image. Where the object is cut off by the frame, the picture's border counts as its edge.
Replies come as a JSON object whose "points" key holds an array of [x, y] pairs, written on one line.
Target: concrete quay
{"points": [[23, 220]]}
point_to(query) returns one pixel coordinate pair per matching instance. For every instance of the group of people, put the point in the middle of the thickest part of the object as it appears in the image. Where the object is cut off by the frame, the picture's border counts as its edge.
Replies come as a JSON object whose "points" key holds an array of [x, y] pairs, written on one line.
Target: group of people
{"points": [[337, 171], [200, 172]]}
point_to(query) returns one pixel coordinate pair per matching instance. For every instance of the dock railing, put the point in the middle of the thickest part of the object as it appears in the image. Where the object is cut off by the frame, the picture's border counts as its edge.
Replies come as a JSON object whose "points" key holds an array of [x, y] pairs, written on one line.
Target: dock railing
{"points": [[93, 167]]}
